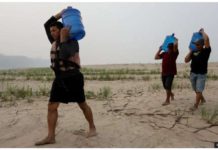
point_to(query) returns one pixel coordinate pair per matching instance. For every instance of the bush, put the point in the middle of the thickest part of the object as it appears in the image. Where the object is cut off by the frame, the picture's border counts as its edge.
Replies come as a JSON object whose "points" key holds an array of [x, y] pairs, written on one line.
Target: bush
{"points": [[104, 93]]}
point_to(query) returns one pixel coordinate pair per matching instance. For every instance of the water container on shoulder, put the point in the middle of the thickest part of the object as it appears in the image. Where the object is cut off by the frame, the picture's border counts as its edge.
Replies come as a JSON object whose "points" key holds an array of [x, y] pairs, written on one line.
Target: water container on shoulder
{"points": [[195, 37], [71, 18], [169, 39]]}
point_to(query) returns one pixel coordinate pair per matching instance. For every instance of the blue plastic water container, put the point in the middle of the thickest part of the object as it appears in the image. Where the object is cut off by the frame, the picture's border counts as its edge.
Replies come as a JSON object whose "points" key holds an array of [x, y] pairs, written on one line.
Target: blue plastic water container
{"points": [[71, 18], [195, 37], [169, 39]]}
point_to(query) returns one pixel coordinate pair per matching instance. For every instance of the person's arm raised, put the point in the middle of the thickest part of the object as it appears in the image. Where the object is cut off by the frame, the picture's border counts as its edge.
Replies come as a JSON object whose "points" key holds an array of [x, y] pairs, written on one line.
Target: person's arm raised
{"points": [[59, 15], [175, 46], [49, 22], [206, 38], [157, 55], [188, 57]]}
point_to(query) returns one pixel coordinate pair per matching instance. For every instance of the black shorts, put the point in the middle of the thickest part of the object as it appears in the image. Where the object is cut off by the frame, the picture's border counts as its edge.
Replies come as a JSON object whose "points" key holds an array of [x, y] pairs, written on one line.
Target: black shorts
{"points": [[68, 88], [167, 81]]}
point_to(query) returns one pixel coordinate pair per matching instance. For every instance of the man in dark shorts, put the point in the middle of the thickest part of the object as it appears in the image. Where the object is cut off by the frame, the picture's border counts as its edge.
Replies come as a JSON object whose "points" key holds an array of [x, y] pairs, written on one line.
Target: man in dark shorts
{"points": [[199, 64], [168, 68], [68, 85]]}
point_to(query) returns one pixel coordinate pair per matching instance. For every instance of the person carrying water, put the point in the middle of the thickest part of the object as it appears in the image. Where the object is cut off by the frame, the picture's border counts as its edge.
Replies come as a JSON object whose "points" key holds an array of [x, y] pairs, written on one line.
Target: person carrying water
{"points": [[199, 65], [68, 85], [169, 69]]}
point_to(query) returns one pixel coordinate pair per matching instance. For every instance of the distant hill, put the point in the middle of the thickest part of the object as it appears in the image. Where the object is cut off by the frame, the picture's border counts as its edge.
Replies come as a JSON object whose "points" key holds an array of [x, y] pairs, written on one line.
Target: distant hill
{"points": [[14, 62]]}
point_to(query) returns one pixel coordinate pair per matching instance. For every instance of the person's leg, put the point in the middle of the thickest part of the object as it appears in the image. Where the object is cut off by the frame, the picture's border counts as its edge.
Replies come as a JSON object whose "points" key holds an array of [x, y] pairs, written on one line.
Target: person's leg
{"points": [[193, 79], [168, 87], [163, 79], [167, 101], [198, 99], [201, 85], [89, 117], [203, 99], [172, 96], [52, 120]]}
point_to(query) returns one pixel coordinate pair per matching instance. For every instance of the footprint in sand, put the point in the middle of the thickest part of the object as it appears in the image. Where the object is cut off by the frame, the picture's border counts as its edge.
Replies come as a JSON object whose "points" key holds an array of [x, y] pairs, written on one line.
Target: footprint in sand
{"points": [[81, 132]]}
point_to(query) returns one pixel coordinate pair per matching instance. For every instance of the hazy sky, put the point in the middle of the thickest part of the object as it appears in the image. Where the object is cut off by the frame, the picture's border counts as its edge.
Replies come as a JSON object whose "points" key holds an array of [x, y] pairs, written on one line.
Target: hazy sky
{"points": [[115, 32]]}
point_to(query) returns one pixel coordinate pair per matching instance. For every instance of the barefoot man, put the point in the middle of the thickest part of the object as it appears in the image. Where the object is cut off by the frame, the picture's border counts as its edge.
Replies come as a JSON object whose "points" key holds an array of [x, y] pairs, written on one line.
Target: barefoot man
{"points": [[68, 85], [199, 63], [168, 68]]}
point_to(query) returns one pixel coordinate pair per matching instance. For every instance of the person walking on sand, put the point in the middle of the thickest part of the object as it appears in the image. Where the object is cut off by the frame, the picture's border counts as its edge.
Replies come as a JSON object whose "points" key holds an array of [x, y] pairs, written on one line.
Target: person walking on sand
{"points": [[199, 63], [68, 85], [169, 69]]}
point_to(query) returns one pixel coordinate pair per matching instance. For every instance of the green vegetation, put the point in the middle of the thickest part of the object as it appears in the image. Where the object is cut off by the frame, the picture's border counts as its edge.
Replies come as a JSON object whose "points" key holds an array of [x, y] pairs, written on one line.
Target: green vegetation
{"points": [[38, 74], [119, 74], [181, 85], [210, 115], [90, 95], [155, 87], [43, 76], [146, 78], [104, 93], [14, 92], [212, 76], [46, 74]]}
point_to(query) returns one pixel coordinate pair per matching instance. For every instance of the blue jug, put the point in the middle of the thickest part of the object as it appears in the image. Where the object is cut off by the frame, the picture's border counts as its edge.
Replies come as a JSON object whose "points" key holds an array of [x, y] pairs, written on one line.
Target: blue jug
{"points": [[169, 39], [195, 37], [71, 18]]}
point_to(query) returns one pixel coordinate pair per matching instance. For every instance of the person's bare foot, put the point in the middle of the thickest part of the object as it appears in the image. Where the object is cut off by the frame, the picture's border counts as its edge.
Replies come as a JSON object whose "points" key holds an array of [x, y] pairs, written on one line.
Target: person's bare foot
{"points": [[45, 141], [165, 103], [91, 133]]}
